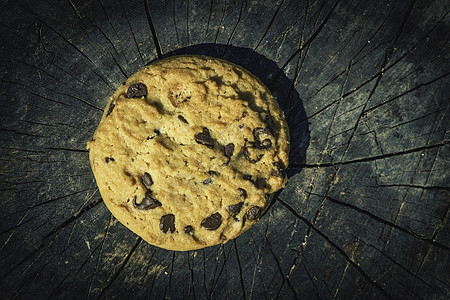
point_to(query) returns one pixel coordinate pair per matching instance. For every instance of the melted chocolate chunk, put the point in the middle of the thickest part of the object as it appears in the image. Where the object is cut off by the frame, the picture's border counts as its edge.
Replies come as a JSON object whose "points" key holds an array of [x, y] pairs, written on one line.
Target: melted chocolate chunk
{"points": [[167, 223], [204, 138], [212, 222], [242, 192], [137, 90], [207, 181], [248, 177], [189, 230], [234, 209], [254, 213], [264, 144], [182, 119], [157, 132], [228, 150], [279, 171], [108, 159], [258, 131], [147, 180], [247, 154], [148, 202], [111, 107]]}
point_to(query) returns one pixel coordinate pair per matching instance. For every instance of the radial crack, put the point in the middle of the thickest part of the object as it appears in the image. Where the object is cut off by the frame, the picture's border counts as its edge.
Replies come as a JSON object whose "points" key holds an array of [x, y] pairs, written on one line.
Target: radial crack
{"points": [[387, 155], [122, 266], [340, 250], [152, 29]]}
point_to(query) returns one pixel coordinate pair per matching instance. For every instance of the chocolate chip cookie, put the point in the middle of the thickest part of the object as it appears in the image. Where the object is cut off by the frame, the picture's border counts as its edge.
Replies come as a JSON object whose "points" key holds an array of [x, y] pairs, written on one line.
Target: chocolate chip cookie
{"points": [[189, 151]]}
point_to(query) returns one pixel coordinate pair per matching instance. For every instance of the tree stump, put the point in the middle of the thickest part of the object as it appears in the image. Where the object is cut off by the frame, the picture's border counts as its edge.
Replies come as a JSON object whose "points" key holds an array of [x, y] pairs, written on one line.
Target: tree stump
{"points": [[364, 86]]}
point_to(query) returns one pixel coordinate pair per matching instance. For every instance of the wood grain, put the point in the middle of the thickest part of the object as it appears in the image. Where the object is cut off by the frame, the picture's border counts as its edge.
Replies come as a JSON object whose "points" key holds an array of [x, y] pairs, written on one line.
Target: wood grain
{"points": [[364, 86]]}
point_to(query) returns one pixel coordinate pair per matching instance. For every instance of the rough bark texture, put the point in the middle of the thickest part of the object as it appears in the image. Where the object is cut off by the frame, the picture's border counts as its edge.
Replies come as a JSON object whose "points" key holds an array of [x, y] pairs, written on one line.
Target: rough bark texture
{"points": [[364, 85]]}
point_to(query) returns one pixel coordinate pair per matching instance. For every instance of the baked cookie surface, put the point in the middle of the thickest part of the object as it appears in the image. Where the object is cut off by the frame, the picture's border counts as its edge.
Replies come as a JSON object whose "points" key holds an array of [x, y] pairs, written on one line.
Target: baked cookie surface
{"points": [[188, 152]]}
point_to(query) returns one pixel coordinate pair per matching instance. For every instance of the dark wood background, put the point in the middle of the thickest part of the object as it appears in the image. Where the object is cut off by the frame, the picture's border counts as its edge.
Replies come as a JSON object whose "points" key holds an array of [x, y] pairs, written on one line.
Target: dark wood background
{"points": [[364, 85]]}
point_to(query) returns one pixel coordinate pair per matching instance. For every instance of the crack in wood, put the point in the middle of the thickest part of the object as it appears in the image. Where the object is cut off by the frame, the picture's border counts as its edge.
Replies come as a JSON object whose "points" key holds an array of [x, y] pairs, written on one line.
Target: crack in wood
{"points": [[420, 85], [241, 276], [368, 159], [341, 251], [120, 269], [387, 73], [431, 187], [222, 267], [152, 29], [258, 261], [33, 206], [401, 266], [219, 27], [187, 23], [90, 286], [67, 149], [266, 30], [286, 279], [235, 25], [21, 133], [119, 66], [132, 33], [169, 286], [73, 218], [344, 271], [386, 222], [310, 39], [63, 280], [190, 265]]}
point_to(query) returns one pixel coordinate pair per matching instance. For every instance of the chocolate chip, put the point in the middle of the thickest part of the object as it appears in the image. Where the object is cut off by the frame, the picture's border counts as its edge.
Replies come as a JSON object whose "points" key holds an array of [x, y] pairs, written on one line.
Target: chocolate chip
{"points": [[137, 90], [167, 223], [157, 132], [212, 222], [258, 131], [189, 230], [228, 150], [148, 202], [147, 180], [242, 192], [108, 159], [247, 153], [111, 107], [254, 213], [279, 171], [248, 177], [180, 117], [234, 209], [204, 138], [266, 143], [207, 181]]}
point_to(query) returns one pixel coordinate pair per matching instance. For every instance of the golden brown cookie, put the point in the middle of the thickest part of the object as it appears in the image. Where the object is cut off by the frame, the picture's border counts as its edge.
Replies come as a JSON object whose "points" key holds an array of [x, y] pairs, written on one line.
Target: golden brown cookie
{"points": [[188, 152]]}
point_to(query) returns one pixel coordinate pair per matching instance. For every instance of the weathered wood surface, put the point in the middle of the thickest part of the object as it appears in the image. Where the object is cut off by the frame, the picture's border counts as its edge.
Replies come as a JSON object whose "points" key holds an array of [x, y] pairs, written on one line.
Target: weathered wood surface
{"points": [[364, 85]]}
